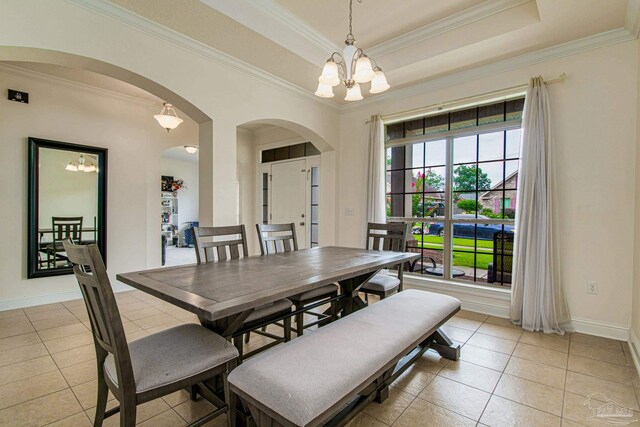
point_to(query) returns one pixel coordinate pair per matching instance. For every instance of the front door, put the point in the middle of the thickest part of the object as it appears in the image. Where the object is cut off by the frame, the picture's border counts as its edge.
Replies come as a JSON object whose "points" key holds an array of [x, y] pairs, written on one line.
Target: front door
{"points": [[288, 192]]}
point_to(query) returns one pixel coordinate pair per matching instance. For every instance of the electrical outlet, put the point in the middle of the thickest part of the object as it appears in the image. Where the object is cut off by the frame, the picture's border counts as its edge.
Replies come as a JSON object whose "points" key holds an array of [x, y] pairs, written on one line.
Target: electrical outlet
{"points": [[348, 212], [592, 288]]}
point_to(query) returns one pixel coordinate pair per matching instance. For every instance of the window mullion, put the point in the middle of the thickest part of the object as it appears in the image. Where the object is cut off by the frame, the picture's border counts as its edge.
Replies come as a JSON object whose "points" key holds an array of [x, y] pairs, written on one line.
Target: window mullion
{"points": [[448, 188]]}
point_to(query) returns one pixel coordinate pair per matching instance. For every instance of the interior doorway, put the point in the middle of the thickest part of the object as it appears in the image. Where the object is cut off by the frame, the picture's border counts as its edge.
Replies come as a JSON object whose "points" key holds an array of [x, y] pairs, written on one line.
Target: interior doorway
{"points": [[179, 205], [290, 194]]}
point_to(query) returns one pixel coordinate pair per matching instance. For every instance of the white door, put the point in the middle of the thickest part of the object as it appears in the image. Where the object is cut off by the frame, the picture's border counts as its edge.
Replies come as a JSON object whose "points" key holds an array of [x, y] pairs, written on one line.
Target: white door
{"points": [[288, 195]]}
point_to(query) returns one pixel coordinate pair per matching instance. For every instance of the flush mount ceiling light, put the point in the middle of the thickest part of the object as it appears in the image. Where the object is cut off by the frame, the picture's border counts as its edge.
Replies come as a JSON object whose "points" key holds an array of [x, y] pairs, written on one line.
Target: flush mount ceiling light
{"points": [[81, 166], [191, 149], [168, 118], [350, 68]]}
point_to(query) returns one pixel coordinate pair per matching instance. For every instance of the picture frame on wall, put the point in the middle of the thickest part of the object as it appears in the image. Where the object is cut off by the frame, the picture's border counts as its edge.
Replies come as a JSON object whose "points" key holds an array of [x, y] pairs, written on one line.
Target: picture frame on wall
{"points": [[167, 183]]}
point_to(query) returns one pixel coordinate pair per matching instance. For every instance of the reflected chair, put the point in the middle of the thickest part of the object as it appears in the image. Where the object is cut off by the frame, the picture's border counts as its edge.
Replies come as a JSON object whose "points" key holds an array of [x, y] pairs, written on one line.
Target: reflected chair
{"points": [[386, 237], [279, 238], [183, 357], [500, 270], [62, 228], [228, 243]]}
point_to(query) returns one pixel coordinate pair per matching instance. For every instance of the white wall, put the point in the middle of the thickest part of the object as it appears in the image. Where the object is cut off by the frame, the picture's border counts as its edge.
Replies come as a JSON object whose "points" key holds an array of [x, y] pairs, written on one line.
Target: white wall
{"points": [[188, 195], [247, 177], [70, 113], [594, 124]]}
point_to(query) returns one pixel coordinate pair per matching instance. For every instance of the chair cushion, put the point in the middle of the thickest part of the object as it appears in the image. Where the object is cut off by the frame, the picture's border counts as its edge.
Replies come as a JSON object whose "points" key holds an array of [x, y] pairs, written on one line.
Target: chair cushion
{"points": [[382, 283], [269, 309], [302, 379], [172, 355], [316, 293]]}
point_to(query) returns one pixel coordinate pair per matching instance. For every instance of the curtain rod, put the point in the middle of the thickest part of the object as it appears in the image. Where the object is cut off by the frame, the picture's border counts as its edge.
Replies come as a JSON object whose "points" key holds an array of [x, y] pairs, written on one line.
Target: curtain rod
{"points": [[460, 103]]}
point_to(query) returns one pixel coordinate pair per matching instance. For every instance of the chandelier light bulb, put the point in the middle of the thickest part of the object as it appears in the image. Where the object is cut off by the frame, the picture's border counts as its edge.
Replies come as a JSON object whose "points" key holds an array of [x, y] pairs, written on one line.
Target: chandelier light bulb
{"points": [[353, 93], [350, 68], [364, 71], [379, 82], [330, 74], [324, 90], [90, 168], [71, 167]]}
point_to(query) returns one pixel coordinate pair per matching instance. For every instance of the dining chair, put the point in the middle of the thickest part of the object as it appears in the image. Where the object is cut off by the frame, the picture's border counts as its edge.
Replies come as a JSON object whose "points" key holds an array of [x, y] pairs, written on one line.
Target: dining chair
{"points": [[186, 356], [228, 243], [62, 228], [386, 237], [280, 238]]}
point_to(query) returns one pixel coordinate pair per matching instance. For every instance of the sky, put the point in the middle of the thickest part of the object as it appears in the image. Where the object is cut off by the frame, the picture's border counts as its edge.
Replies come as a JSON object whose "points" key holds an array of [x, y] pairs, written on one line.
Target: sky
{"points": [[491, 149]]}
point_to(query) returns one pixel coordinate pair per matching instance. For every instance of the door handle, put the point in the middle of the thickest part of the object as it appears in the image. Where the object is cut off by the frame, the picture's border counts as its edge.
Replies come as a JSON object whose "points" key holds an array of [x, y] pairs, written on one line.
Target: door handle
{"points": [[302, 224]]}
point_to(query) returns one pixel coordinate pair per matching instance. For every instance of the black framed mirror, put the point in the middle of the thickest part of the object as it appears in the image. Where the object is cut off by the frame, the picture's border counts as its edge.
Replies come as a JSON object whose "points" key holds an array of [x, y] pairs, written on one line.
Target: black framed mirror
{"points": [[67, 198]]}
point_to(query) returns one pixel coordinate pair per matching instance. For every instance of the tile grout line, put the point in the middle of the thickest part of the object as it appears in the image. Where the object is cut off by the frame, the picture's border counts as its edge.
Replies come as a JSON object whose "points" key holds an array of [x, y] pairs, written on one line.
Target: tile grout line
{"points": [[59, 371]]}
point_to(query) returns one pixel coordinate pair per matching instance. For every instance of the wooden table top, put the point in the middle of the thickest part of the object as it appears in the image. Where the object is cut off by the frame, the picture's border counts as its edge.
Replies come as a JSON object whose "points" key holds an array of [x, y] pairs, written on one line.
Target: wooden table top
{"points": [[218, 290]]}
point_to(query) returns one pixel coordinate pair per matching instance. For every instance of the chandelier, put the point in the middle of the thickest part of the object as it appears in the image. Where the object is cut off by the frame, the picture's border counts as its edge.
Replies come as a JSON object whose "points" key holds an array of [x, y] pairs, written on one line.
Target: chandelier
{"points": [[350, 68], [168, 118], [81, 166]]}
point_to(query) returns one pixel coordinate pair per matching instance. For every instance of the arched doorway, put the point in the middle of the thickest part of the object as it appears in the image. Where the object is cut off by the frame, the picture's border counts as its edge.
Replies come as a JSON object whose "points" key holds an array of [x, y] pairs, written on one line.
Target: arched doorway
{"points": [[281, 171]]}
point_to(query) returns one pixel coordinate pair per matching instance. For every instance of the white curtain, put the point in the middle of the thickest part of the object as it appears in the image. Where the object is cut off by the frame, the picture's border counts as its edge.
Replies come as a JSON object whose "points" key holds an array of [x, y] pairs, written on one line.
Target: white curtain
{"points": [[537, 299], [376, 182]]}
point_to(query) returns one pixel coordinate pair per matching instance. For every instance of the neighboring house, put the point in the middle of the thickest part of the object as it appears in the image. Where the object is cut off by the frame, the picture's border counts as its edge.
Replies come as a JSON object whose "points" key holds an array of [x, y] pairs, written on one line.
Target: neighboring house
{"points": [[495, 199]]}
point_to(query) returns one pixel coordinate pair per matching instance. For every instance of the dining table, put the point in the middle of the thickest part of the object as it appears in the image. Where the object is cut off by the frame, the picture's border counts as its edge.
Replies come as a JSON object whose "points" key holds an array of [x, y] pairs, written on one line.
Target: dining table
{"points": [[223, 294]]}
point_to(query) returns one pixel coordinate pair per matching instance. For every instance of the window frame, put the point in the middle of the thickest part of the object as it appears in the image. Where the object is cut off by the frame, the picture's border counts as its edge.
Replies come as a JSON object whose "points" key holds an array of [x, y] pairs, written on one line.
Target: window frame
{"points": [[448, 220]]}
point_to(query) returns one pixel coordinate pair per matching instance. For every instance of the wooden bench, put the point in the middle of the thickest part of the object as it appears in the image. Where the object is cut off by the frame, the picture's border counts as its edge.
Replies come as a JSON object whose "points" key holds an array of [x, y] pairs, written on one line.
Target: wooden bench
{"points": [[327, 376]]}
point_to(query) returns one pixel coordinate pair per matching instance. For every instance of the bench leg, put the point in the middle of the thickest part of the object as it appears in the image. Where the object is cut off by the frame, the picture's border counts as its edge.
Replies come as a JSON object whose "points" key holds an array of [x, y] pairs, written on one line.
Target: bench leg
{"points": [[445, 347], [382, 394]]}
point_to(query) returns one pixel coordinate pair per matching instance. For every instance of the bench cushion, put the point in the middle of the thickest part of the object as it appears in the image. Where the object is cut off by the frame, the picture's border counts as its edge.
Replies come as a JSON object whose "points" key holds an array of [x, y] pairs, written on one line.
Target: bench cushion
{"points": [[172, 355], [303, 378]]}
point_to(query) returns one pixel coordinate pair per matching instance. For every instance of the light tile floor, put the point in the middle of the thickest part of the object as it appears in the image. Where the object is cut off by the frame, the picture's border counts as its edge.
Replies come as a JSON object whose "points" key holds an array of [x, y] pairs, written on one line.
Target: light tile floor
{"points": [[505, 376]]}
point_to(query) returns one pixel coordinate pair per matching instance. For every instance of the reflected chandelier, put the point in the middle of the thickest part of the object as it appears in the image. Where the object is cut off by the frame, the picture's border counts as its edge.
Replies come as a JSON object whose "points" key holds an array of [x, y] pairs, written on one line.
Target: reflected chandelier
{"points": [[350, 68]]}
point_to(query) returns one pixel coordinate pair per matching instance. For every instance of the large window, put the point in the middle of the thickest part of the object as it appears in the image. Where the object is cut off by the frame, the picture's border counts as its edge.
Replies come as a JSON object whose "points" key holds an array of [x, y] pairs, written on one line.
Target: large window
{"points": [[454, 177]]}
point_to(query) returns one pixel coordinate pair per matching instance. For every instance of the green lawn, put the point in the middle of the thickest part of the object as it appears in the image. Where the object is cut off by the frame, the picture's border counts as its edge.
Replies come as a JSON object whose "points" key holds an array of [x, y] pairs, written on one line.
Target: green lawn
{"points": [[464, 259]]}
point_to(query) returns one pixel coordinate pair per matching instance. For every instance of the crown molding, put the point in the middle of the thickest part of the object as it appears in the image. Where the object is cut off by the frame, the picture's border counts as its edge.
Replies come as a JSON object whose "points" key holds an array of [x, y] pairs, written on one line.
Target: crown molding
{"points": [[632, 18], [275, 22], [47, 78], [457, 20], [595, 41], [152, 28]]}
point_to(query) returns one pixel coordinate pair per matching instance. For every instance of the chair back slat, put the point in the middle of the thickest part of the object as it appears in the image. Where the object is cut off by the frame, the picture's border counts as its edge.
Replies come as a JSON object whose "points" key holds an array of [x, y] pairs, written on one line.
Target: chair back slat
{"points": [[503, 251], [387, 237], [220, 250], [64, 228], [104, 316], [277, 238]]}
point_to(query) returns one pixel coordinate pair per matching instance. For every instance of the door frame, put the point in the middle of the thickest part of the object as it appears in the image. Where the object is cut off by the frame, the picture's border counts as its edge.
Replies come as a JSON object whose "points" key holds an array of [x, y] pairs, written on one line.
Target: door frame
{"points": [[311, 161]]}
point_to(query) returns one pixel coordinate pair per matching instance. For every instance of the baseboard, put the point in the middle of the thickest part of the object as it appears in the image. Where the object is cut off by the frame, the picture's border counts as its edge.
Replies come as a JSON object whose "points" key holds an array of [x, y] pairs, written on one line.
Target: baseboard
{"points": [[600, 329], [634, 345], [50, 299], [496, 302], [491, 301]]}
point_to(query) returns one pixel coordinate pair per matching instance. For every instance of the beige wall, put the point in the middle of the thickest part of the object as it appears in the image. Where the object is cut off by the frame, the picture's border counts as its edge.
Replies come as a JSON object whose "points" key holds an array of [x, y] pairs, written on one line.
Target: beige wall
{"points": [[635, 302], [594, 124], [64, 112]]}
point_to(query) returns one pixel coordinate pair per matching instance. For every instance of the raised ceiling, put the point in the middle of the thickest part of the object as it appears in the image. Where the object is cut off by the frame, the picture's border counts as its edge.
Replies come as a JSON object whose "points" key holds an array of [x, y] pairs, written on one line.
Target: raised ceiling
{"points": [[412, 40]]}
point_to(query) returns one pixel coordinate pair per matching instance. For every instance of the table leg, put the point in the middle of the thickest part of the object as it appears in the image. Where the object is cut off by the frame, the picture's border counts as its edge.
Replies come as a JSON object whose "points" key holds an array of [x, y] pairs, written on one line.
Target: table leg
{"points": [[351, 300]]}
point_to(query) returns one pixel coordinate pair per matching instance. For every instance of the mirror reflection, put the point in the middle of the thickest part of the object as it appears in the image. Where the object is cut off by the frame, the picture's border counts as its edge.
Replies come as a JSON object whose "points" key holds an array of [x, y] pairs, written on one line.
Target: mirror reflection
{"points": [[67, 204]]}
